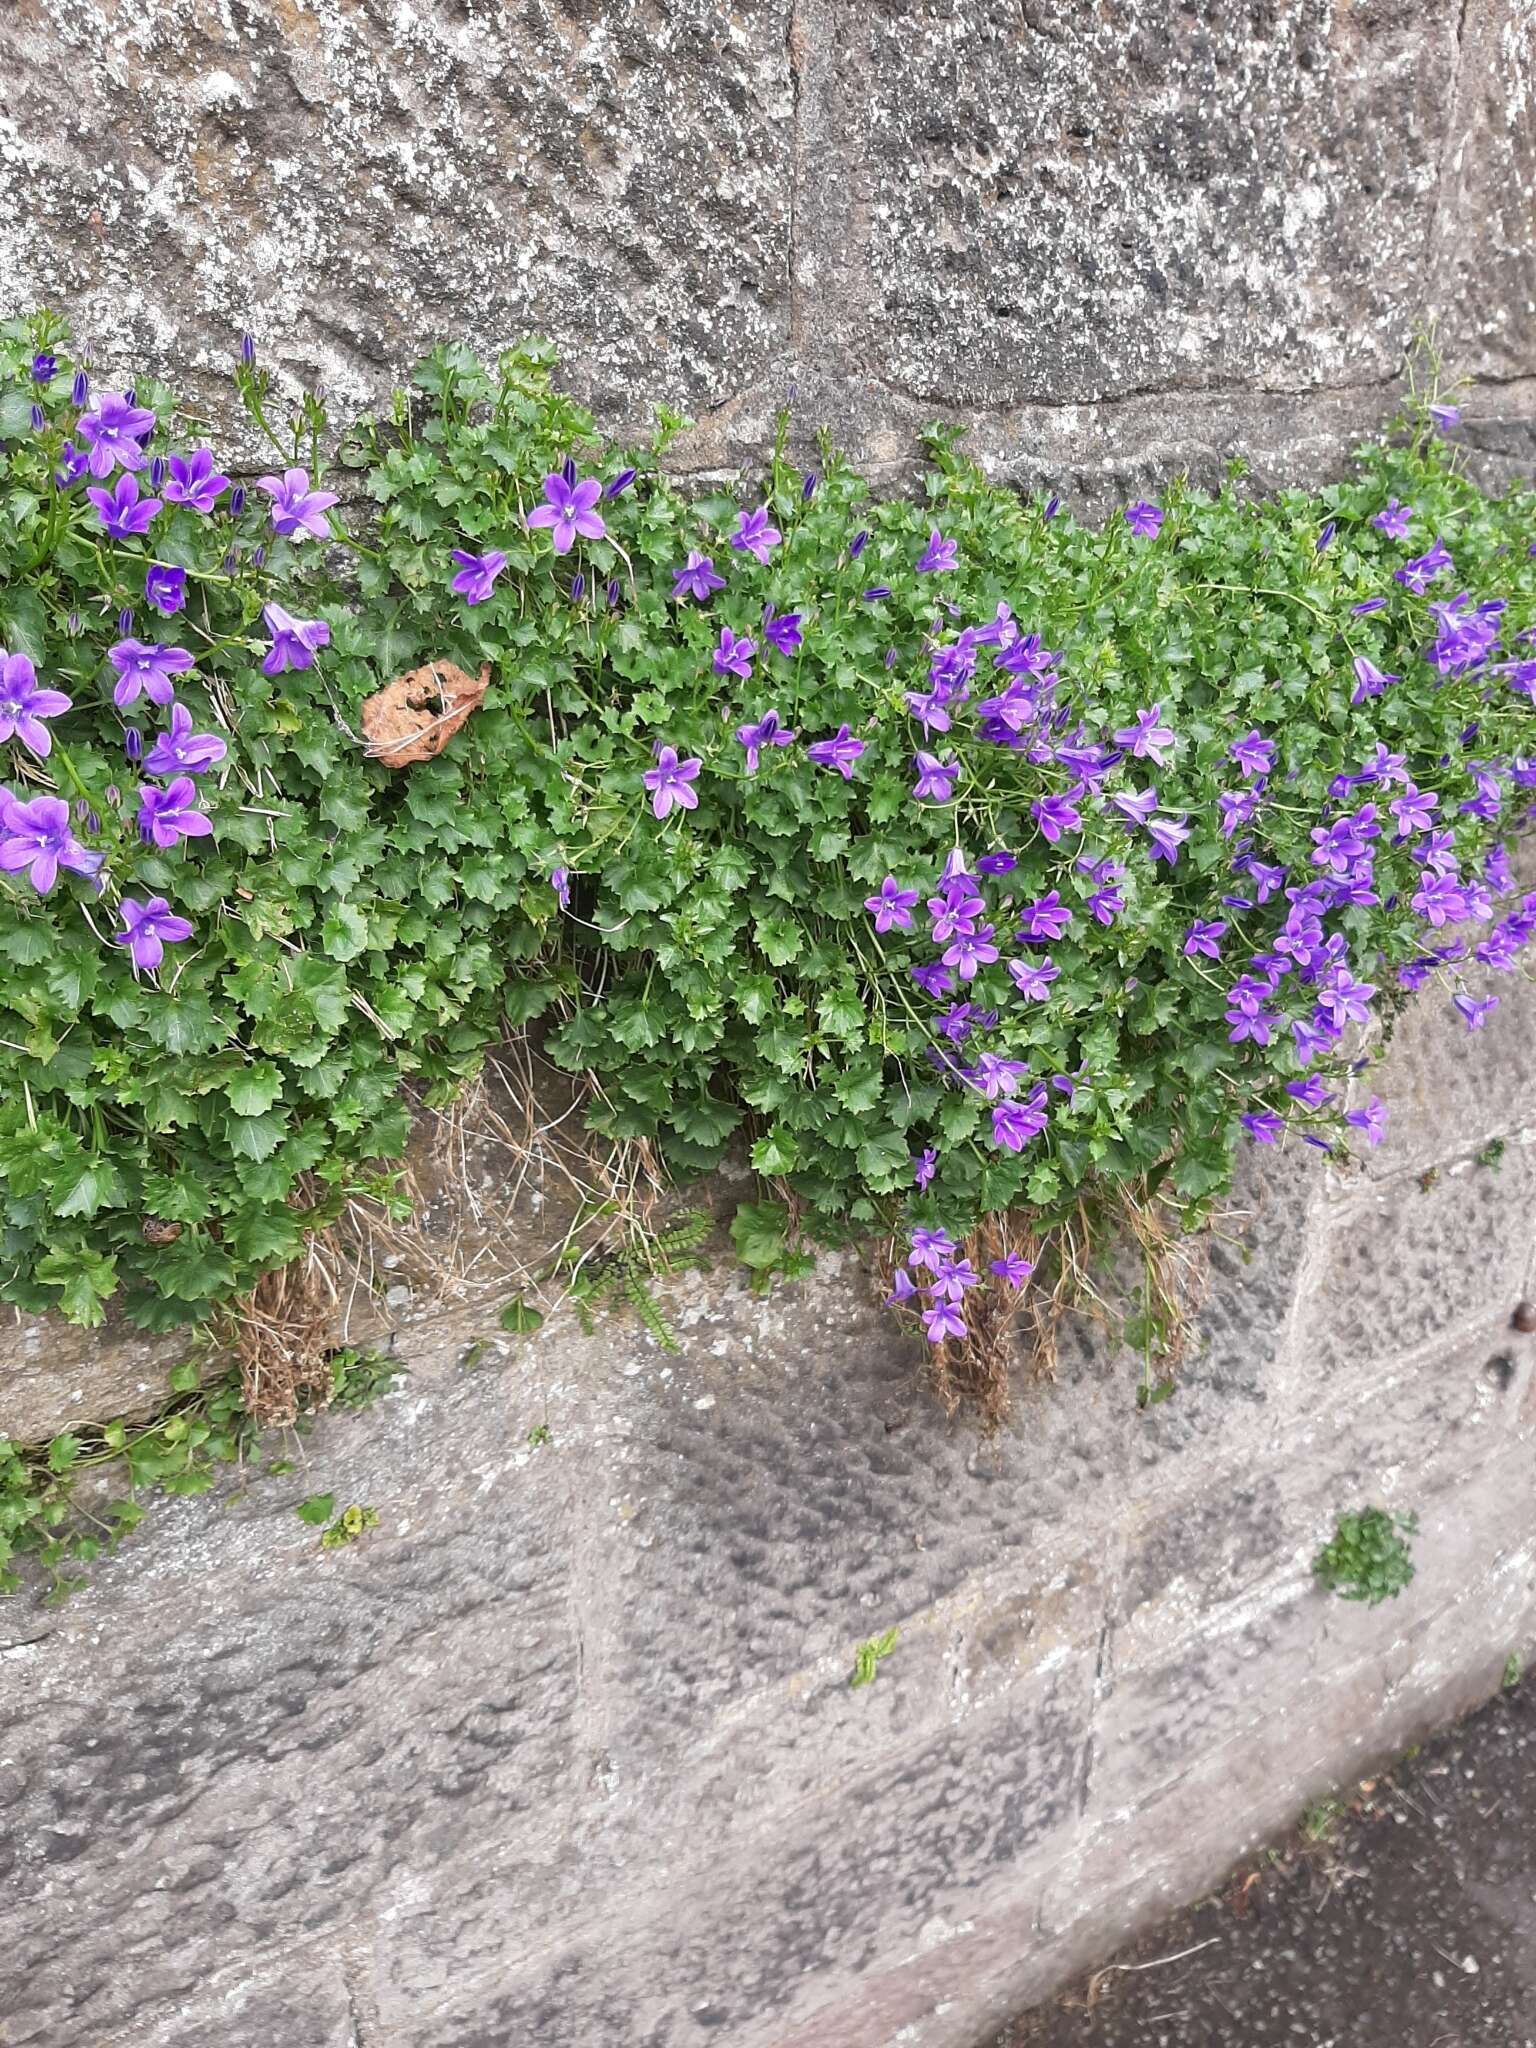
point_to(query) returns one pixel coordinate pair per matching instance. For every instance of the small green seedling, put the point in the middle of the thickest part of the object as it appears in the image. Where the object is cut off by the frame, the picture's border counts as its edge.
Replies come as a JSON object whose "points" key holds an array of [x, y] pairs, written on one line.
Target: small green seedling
{"points": [[1319, 1820], [348, 1526], [1367, 1558], [539, 1436], [1514, 1671], [868, 1656]]}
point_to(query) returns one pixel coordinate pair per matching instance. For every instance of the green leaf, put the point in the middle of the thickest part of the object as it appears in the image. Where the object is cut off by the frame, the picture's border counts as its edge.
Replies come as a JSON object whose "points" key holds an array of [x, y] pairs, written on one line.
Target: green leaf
{"points": [[520, 1316], [317, 1510]]}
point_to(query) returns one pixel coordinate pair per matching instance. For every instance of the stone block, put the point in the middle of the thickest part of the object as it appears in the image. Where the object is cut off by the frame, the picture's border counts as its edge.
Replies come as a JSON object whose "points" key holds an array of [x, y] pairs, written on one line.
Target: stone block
{"points": [[1167, 200], [354, 189], [1396, 1266], [1449, 1091]]}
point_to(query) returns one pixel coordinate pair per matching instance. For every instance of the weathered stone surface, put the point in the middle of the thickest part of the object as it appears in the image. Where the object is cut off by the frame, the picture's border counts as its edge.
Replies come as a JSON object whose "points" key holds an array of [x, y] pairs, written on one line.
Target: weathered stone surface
{"points": [[565, 1752], [355, 183], [1114, 240]]}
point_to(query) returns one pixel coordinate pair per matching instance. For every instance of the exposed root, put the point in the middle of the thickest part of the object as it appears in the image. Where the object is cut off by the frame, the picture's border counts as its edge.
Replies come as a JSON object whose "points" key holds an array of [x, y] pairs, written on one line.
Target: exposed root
{"points": [[1008, 1327], [285, 1336]]}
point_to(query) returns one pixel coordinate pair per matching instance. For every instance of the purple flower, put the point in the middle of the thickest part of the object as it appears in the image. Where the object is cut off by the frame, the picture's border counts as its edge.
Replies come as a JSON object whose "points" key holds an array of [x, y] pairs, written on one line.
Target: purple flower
{"points": [[1147, 736], [1012, 1269], [1033, 978], [939, 555], [935, 778], [477, 574], [1445, 416], [696, 578], [903, 1288], [146, 666], [1476, 1013], [1204, 936], [942, 1320], [1055, 815], [1136, 808], [23, 705], [1167, 836], [782, 631], [148, 928], [924, 1168], [1312, 1093], [1330, 528], [193, 481], [754, 536], [996, 864], [893, 906], [1393, 520], [1369, 680], [1414, 810], [295, 642], [766, 733], [44, 367], [80, 388], [839, 752], [621, 483], [1372, 1119], [1014, 1123], [1144, 519], [167, 815], [993, 1075], [569, 510], [858, 544], [970, 950], [36, 837], [670, 781], [1418, 574], [1254, 754], [181, 751], [876, 591], [165, 588], [1262, 1125], [113, 433], [1046, 918], [733, 657], [296, 508], [120, 510], [560, 882]]}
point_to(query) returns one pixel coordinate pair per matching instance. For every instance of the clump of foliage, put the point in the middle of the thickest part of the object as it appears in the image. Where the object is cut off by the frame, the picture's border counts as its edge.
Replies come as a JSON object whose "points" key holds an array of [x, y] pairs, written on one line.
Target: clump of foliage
{"points": [[976, 870], [1367, 1558], [179, 1450], [623, 1272]]}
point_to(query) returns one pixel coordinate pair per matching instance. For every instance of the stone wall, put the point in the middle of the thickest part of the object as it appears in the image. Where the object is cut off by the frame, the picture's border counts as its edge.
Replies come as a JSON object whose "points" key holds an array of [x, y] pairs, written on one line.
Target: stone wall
{"points": [[1112, 238], [564, 1754]]}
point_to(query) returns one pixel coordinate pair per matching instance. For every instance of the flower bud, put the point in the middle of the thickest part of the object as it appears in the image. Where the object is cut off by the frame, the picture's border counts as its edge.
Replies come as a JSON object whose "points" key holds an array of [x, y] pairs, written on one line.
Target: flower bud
{"points": [[808, 488], [157, 473], [568, 470], [237, 501], [578, 585], [80, 390], [39, 420], [125, 620], [247, 351], [133, 743]]}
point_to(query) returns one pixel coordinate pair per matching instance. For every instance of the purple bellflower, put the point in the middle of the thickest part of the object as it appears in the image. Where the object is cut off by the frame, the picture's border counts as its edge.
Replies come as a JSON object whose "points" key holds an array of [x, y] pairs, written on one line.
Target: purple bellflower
{"points": [[477, 574], [147, 666], [295, 642], [148, 928], [193, 481], [23, 706], [113, 433], [181, 751], [569, 509], [670, 781], [296, 509]]}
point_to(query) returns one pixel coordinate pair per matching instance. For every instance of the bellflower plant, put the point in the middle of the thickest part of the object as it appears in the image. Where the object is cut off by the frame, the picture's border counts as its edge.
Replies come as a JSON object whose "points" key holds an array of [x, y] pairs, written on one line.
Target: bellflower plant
{"points": [[1048, 877]]}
